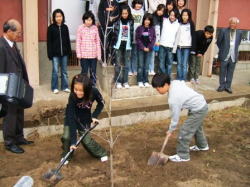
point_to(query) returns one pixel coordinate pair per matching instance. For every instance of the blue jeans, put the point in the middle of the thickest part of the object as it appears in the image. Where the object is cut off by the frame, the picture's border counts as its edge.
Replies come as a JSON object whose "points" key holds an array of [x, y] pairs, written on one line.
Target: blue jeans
{"points": [[121, 65], [143, 65], [166, 60], [63, 62], [89, 65], [182, 62], [152, 62], [134, 59]]}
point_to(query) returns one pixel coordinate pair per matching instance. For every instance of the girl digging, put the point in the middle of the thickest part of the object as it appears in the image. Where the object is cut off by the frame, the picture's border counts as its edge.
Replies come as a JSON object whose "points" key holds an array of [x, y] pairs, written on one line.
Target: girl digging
{"points": [[145, 40], [88, 48], [123, 37], [58, 48], [78, 116], [183, 43]]}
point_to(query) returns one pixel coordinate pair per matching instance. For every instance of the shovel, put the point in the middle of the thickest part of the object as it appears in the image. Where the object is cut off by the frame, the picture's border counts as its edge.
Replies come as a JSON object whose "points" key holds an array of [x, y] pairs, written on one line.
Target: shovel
{"points": [[159, 157], [53, 176]]}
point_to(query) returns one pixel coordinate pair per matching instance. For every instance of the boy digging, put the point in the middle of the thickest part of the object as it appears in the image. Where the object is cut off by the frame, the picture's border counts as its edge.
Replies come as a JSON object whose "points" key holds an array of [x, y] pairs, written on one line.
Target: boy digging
{"points": [[180, 96]]}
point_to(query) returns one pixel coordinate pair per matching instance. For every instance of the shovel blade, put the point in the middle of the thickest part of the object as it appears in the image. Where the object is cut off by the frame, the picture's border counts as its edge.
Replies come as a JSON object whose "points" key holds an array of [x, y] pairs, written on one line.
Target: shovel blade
{"points": [[52, 176], [157, 159]]}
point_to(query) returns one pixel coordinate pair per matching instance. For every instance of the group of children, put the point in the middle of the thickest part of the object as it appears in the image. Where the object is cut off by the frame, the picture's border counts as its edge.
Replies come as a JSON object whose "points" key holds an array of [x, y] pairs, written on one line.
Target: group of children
{"points": [[139, 43], [138, 40], [157, 39]]}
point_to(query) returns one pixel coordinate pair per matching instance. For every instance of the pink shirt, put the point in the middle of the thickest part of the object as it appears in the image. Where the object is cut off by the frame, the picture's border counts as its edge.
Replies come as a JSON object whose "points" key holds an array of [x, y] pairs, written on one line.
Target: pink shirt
{"points": [[88, 42]]}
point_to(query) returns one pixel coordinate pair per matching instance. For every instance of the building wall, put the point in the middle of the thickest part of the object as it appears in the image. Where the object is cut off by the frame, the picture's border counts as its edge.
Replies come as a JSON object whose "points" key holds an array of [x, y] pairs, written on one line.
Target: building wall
{"points": [[6, 5], [16, 12], [192, 5], [10, 9], [230, 8], [42, 19], [227, 9]]}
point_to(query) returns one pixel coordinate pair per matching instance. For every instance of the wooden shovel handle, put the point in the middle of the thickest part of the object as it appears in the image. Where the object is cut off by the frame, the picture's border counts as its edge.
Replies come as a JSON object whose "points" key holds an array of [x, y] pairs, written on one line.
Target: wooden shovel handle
{"points": [[164, 144]]}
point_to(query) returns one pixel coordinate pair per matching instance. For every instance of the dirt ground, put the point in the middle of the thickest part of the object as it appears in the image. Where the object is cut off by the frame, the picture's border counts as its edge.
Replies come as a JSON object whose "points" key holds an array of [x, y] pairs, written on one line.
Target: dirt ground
{"points": [[227, 163]]}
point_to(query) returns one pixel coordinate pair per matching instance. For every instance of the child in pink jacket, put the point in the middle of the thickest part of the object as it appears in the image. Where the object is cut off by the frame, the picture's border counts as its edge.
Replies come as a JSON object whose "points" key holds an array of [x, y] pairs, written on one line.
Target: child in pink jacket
{"points": [[88, 48]]}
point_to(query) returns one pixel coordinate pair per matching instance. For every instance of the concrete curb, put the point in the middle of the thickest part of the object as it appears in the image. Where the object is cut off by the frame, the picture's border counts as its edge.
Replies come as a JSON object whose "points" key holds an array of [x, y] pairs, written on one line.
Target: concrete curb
{"points": [[131, 117]]}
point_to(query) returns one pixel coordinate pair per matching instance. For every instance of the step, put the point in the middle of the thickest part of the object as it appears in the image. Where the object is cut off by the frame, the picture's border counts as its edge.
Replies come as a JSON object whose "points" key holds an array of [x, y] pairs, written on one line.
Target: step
{"points": [[133, 92], [132, 80]]}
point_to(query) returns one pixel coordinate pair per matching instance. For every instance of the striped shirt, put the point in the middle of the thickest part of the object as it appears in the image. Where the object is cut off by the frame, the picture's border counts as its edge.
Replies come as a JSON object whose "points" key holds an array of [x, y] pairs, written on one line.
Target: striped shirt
{"points": [[88, 42]]}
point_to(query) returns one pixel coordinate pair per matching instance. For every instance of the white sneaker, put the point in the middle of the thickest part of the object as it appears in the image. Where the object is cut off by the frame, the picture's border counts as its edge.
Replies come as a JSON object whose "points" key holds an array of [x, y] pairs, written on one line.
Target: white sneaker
{"points": [[146, 84], [140, 84], [135, 73], [197, 81], [119, 86], [151, 73], [192, 81], [66, 162], [67, 90], [104, 158], [126, 85], [55, 91], [177, 158], [130, 74], [196, 148]]}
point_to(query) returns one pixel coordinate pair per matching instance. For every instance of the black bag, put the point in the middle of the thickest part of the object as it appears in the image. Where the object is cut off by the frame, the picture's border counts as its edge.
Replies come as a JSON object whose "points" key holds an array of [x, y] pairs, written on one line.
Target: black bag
{"points": [[15, 90]]}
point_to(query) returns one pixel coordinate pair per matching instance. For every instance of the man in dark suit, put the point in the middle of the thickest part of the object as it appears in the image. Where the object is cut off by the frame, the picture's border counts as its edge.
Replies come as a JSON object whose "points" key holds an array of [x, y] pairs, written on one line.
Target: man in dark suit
{"points": [[12, 62], [228, 42]]}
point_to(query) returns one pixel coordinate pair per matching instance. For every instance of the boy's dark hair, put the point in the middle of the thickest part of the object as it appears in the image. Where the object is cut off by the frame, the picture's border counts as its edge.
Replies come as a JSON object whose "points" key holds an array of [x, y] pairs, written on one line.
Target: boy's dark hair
{"points": [[88, 15], [149, 17], [136, 2], [9, 25], [160, 79], [87, 86], [185, 2], [209, 28], [189, 15], [126, 7], [54, 15]]}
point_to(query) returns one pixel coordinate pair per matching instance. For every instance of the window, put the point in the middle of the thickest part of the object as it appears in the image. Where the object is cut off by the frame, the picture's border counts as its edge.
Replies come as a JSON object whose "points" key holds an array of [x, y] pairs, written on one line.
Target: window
{"points": [[246, 36]]}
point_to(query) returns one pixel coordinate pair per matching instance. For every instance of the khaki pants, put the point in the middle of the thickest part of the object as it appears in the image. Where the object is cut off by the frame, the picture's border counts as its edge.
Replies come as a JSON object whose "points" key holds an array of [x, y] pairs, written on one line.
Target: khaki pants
{"points": [[194, 67], [88, 143], [193, 126]]}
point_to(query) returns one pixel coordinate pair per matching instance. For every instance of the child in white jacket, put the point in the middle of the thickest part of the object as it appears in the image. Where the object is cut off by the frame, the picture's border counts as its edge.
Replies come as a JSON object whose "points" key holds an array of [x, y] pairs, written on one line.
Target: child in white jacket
{"points": [[168, 37]]}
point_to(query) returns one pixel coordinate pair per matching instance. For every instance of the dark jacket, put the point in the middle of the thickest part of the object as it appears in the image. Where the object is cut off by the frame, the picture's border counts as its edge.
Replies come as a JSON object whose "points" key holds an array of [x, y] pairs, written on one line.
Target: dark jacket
{"points": [[103, 14], [117, 30], [58, 42], [223, 43], [11, 60], [200, 43], [139, 41], [79, 111]]}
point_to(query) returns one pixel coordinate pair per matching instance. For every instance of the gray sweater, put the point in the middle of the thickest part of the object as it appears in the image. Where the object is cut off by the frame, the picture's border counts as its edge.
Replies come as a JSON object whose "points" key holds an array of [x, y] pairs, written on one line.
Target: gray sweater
{"points": [[180, 97]]}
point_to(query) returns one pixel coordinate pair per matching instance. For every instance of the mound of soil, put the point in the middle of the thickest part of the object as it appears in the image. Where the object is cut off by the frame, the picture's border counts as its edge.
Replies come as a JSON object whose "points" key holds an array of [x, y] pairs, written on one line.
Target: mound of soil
{"points": [[227, 163]]}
